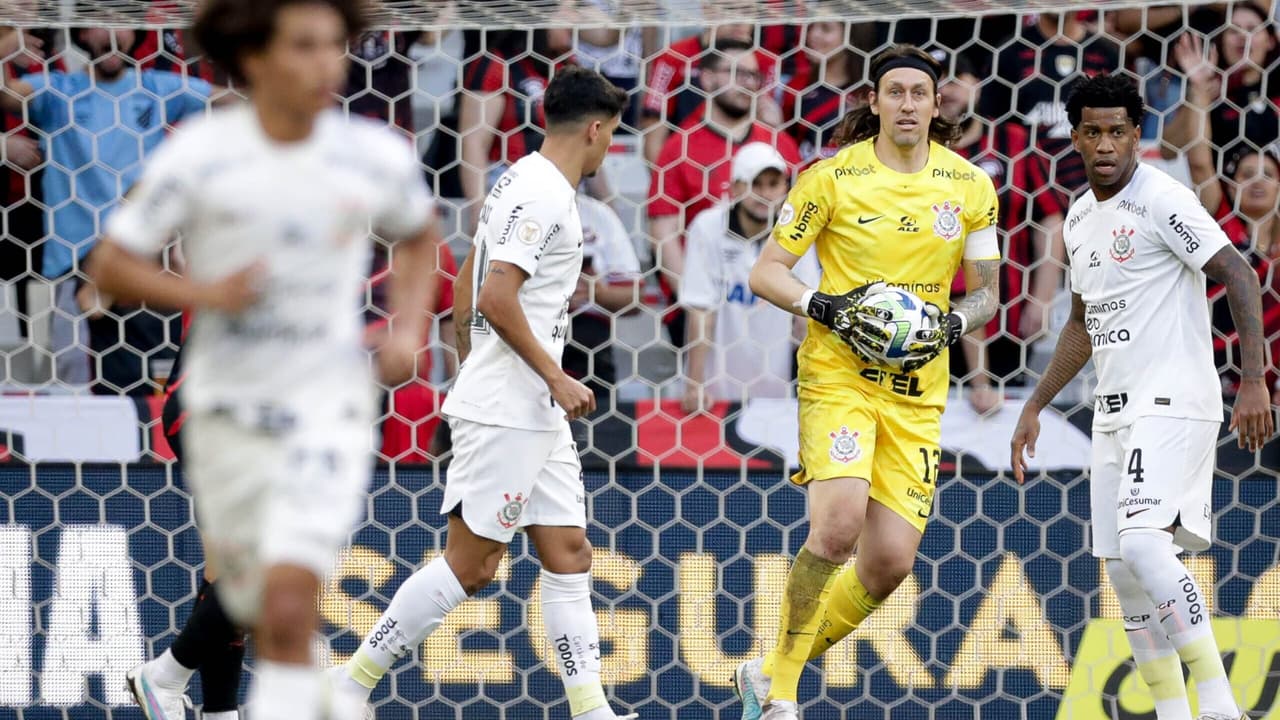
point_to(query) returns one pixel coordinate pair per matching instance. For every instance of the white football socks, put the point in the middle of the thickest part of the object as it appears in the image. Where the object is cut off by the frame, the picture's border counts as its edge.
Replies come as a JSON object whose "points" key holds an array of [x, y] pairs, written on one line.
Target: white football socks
{"points": [[1180, 609], [1157, 660], [165, 670], [575, 642], [418, 608]]}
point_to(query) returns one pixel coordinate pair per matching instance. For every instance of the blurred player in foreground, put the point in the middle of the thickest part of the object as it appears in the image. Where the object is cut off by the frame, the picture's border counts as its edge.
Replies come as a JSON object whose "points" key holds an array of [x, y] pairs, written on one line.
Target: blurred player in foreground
{"points": [[273, 200], [515, 465], [208, 642], [894, 207], [1140, 246]]}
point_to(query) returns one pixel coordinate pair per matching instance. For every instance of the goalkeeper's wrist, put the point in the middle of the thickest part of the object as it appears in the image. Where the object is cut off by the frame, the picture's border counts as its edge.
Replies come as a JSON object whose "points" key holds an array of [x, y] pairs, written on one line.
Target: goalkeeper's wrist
{"points": [[819, 306], [956, 326]]}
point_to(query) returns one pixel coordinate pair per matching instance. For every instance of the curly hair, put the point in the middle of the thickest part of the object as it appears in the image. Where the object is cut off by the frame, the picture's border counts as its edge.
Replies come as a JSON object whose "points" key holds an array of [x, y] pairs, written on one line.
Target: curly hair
{"points": [[1114, 90]]}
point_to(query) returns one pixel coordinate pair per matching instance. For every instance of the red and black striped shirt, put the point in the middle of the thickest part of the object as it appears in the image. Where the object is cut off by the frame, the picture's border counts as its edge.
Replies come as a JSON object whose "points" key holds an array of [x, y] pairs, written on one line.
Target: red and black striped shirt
{"points": [[1225, 341], [1021, 179], [811, 112], [522, 82], [1037, 75]]}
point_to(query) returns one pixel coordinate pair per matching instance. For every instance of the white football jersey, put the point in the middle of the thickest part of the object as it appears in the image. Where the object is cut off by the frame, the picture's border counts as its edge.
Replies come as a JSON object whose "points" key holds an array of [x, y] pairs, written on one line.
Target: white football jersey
{"points": [[1136, 263], [753, 346], [530, 219], [304, 210]]}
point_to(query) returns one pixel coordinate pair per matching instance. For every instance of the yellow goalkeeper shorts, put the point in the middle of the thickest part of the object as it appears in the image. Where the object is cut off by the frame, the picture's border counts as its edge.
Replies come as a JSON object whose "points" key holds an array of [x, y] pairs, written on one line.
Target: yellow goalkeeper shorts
{"points": [[845, 432]]}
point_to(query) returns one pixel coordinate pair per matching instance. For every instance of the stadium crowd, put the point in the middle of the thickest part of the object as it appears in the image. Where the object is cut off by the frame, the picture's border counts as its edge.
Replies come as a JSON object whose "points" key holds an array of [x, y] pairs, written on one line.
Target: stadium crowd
{"points": [[82, 107]]}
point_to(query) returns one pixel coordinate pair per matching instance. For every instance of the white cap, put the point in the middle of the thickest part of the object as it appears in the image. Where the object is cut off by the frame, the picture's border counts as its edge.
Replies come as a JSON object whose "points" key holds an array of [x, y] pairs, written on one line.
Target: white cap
{"points": [[753, 159]]}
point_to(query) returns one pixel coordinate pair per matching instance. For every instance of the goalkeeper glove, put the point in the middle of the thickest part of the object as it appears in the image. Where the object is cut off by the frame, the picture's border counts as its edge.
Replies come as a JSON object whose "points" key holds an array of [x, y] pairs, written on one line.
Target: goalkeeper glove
{"points": [[929, 344], [847, 317]]}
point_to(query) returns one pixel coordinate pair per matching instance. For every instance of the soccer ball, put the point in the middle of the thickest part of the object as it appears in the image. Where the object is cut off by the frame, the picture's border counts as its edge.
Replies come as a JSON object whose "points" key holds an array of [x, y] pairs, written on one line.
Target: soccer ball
{"points": [[906, 318]]}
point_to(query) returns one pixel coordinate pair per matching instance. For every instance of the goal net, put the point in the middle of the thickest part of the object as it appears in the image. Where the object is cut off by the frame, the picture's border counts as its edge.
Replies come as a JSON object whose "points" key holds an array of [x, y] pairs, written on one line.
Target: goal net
{"points": [[693, 519]]}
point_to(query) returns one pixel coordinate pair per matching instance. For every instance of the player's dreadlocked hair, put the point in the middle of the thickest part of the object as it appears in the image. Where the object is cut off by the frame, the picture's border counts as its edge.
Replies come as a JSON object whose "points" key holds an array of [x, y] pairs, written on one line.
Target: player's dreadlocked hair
{"points": [[1115, 90], [860, 123], [227, 29]]}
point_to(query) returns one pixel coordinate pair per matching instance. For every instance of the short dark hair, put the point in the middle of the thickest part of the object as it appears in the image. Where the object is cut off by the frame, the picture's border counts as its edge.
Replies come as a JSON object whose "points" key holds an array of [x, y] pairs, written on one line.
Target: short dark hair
{"points": [[715, 55], [226, 29], [1106, 90], [577, 93]]}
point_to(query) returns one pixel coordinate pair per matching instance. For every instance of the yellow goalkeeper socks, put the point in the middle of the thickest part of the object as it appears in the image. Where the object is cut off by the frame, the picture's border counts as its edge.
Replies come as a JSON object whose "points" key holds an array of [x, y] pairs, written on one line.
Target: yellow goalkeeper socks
{"points": [[848, 606], [808, 585]]}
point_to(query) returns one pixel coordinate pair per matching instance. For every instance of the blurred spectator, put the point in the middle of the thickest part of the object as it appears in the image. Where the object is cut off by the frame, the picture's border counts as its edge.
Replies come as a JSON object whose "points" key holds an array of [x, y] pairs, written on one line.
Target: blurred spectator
{"points": [[1035, 75], [501, 105], [674, 90], [693, 170], [820, 93], [20, 159], [608, 287], [1031, 229], [739, 347], [96, 150], [1248, 105], [134, 347], [411, 413], [612, 50], [437, 59], [1147, 30], [380, 77], [1245, 200]]}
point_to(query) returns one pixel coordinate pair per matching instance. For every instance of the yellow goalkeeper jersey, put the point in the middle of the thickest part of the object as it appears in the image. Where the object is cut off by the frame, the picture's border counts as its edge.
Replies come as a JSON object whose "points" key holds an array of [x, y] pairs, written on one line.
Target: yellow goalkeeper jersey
{"points": [[873, 223]]}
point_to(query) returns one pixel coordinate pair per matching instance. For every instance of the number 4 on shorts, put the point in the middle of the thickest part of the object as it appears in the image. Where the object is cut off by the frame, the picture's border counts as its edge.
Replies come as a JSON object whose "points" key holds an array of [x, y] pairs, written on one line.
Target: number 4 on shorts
{"points": [[1135, 465]]}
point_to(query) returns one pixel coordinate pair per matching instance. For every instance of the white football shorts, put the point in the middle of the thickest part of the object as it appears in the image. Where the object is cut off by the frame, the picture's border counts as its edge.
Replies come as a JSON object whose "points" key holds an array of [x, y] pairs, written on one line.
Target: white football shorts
{"points": [[1155, 473], [265, 499], [503, 479]]}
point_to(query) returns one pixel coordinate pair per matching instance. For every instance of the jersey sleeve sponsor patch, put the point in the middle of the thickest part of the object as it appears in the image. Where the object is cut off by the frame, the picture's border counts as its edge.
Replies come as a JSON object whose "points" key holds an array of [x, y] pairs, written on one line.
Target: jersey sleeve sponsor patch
{"points": [[1186, 227], [806, 211], [522, 233]]}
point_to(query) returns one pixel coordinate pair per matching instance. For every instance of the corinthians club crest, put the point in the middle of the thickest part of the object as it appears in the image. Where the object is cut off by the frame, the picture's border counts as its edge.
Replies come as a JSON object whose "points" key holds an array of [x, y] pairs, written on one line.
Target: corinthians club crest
{"points": [[511, 511], [1122, 243], [947, 225], [844, 446]]}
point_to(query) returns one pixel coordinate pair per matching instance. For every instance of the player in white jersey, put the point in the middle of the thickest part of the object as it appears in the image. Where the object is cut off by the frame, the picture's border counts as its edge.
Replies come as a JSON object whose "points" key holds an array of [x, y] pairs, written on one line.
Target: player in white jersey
{"points": [[515, 466], [274, 201], [740, 346], [1140, 246]]}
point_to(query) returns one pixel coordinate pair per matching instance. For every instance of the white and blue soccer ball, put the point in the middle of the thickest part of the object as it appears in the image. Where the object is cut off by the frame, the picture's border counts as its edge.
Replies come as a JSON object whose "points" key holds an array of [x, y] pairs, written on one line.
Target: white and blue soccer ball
{"points": [[907, 316]]}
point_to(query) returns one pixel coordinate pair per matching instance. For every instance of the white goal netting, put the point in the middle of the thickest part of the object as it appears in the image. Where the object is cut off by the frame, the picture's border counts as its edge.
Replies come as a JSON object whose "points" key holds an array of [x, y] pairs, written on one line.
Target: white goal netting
{"points": [[1006, 614]]}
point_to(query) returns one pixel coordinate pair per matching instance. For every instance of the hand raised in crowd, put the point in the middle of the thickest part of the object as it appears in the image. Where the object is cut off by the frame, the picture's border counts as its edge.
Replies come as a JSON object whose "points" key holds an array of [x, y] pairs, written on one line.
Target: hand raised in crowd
{"points": [[1200, 67], [20, 47], [21, 152]]}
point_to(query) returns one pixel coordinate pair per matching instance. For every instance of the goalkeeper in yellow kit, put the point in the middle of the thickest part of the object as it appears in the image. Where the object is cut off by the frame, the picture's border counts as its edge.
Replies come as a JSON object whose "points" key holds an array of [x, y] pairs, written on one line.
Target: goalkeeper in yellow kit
{"points": [[893, 208]]}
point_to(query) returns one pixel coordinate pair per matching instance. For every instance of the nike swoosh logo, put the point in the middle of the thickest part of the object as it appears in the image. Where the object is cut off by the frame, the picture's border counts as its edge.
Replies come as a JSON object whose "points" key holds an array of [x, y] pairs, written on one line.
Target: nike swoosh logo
{"points": [[1073, 250], [864, 221], [794, 632], [1131, 513]]}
